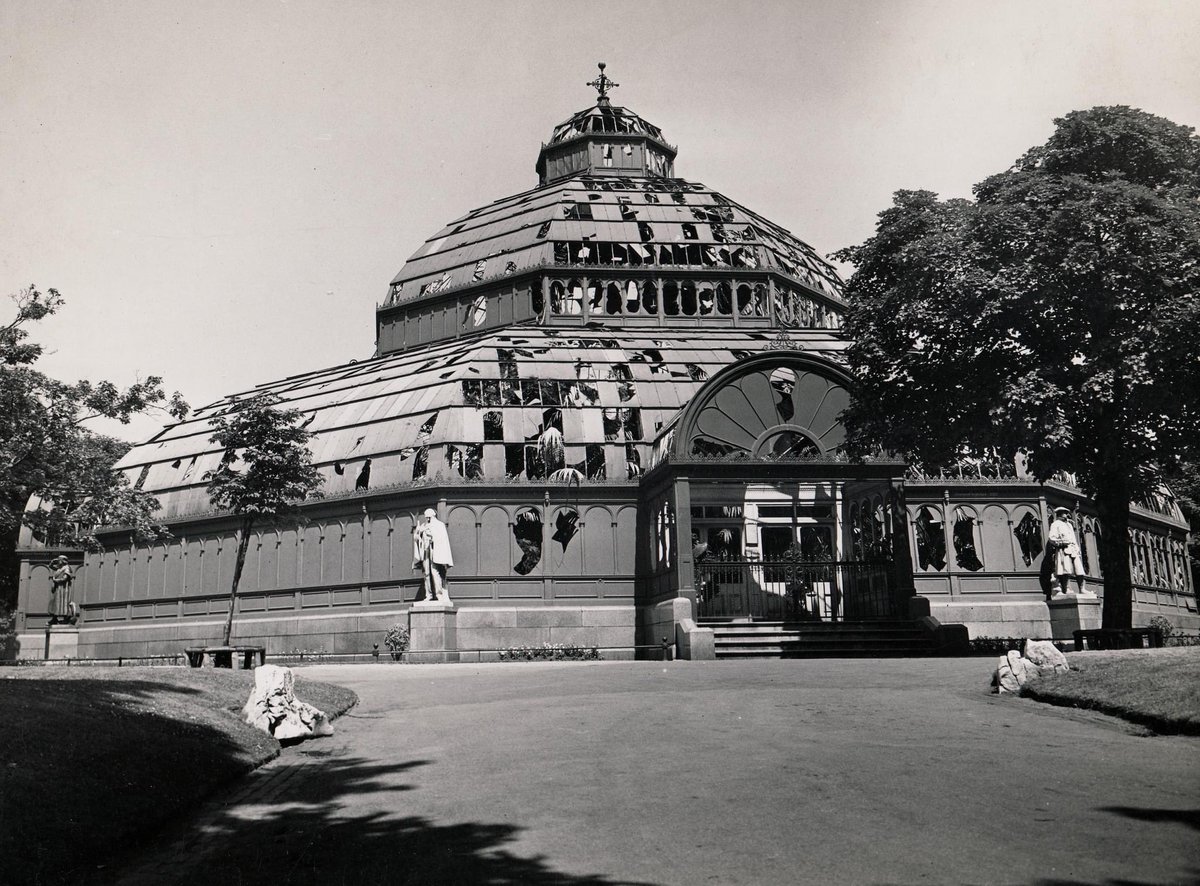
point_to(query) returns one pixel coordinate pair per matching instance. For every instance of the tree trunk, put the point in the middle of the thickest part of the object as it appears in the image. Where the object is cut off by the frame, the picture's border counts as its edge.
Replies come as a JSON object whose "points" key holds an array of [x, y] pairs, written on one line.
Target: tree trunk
{"points": [[1112, 502], [243, 543]]}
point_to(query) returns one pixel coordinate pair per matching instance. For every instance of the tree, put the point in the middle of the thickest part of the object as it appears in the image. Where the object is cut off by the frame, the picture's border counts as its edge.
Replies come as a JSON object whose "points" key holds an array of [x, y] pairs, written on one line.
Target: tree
{"points": [[265, 473], [1055, 315], [47, 452]]}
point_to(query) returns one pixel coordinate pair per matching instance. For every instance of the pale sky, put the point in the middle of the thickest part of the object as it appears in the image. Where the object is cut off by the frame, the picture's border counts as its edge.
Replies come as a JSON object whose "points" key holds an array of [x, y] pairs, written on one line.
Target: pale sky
{"points": [[222, 190]]}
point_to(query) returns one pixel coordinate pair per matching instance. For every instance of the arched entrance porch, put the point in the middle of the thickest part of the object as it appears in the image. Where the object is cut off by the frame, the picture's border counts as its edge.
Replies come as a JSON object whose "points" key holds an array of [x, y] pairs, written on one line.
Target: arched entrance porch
{"points": [[755, 512]]}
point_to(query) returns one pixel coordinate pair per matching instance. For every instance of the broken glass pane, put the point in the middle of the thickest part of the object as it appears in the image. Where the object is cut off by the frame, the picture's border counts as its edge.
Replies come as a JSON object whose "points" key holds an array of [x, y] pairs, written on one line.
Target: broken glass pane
{"points": [[530, 394], [633, 462], [364, 476], [612, 423], [491, 392], [712, 448], [493, 427], [566, 525], [420, 462], [472, 392], [454, 460], [595, 468], [931, 542], [631, 423], [783, 381], [527, 530], [535, 467], [551, 393], [473, 461], [1029, 537], [966, 542], [514, 460]]}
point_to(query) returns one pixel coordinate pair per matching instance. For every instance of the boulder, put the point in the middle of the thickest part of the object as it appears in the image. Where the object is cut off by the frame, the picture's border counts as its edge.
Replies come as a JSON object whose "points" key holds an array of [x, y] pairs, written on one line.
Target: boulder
{"points": [[1046, 655], [274, 708], [1013, 672]]}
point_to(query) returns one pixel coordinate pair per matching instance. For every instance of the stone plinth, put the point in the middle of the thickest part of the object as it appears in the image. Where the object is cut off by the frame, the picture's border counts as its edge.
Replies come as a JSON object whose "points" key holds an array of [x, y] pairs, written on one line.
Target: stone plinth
{"points": [[1073, 612], [432, 631], [63, 642]]}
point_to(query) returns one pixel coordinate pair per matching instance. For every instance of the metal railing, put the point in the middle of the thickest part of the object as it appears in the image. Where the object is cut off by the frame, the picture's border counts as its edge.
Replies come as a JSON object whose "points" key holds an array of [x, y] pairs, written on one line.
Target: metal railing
{"points": [[795, 590]]}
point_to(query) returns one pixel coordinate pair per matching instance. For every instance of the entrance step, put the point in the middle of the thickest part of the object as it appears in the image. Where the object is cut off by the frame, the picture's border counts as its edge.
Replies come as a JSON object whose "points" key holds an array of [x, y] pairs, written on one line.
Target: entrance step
{"points": [[851, 639]]}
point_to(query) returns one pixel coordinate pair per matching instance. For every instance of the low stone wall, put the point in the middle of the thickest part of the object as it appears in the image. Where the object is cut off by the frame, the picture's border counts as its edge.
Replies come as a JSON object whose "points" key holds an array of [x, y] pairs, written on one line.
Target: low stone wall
{"points": [[357, 632], [1028, 617], [502, 628]]}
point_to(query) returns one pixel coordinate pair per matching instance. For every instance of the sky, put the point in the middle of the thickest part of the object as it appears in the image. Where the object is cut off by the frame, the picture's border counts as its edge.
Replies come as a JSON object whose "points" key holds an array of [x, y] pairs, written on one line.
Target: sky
{"points": [[222, 190]]}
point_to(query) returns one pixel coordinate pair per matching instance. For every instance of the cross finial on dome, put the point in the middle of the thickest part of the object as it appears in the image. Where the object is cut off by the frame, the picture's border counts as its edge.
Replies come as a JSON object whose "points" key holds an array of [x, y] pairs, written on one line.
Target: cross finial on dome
{"points": [[602, 85]]}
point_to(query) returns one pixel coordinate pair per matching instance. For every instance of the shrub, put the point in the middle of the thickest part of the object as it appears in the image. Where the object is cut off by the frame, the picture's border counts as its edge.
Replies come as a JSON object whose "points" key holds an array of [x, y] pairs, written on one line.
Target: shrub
{"points": [[396, 640], [551, 652], [1001, 645], [1163, 625]]}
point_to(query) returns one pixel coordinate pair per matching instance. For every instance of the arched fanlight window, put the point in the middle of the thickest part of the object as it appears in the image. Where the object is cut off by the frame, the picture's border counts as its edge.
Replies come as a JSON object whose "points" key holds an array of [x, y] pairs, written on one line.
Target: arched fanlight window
{"points": [[706, 299], [650, 298], [783, 383], [789, 444]]}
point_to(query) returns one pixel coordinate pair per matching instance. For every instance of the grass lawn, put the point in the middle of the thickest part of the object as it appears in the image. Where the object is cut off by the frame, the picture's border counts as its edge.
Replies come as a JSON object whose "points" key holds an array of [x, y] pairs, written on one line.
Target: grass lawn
{"points": [[94, 759], [1159, 688]]}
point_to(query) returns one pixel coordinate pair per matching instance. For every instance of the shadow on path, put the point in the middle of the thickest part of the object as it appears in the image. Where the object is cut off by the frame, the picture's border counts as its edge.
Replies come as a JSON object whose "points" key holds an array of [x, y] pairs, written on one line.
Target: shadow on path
{"points": [[330, 820], [74, 782], [1188, 817]]}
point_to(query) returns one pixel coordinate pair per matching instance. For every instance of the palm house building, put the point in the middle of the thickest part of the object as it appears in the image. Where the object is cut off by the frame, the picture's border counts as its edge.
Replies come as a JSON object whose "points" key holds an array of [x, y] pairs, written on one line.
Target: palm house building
{"points": [[621, 391]]}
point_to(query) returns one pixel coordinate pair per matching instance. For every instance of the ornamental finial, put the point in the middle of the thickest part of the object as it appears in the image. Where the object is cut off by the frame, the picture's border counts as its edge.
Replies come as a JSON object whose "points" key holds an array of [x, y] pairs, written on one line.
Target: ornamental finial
{"points": [[602, 85]]}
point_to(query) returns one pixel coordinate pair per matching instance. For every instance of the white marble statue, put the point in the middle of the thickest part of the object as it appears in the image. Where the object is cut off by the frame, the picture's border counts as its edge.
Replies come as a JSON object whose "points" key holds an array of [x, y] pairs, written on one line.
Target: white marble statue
{"points": [[274, 708], [1064, 546], [431, 554]]}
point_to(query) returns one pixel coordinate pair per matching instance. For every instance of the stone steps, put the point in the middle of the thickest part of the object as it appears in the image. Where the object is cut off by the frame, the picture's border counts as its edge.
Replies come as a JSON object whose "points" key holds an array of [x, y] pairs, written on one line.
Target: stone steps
{"points": [[866, 639]]}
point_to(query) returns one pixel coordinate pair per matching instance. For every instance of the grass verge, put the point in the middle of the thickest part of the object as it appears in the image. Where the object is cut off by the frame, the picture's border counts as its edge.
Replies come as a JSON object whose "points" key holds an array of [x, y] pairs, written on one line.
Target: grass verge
{"points": [[94, 759], [1158, 688]]}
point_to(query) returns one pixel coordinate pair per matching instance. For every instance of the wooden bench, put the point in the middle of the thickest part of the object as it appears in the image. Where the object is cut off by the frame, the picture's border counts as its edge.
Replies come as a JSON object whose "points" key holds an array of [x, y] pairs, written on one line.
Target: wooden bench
{"points": [[1118, 638], [224, 656]]}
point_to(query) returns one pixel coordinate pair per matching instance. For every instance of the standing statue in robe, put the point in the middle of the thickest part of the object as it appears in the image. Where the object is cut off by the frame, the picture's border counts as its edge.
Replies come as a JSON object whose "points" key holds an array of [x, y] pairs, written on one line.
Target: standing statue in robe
{"points": [[431, 554], [62, 608], [1064, 546]]}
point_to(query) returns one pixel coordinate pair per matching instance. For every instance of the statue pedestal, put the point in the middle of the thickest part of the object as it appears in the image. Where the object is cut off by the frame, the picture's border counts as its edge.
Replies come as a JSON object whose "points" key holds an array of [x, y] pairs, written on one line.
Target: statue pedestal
{"points": [[432, 631], [1073, 612], [62, 641]]}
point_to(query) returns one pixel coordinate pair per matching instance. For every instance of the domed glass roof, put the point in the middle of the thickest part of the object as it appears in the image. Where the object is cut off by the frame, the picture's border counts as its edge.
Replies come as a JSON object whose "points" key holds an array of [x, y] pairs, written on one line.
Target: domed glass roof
{"points": [[473, 411], [630, 220], [484, 404]]}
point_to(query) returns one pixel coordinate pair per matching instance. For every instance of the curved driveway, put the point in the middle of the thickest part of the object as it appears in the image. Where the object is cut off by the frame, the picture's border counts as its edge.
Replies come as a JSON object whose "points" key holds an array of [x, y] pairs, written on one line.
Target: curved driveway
{"points": [[856, 771]]}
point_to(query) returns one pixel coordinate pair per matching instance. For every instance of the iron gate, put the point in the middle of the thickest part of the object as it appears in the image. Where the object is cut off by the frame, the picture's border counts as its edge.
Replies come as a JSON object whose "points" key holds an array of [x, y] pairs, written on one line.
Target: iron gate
{"points": [[795, 590]]}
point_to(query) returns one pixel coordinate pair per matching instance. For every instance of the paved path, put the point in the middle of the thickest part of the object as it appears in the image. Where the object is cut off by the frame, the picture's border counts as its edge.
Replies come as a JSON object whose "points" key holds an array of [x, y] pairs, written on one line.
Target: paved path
{"points": [[864, 772]]}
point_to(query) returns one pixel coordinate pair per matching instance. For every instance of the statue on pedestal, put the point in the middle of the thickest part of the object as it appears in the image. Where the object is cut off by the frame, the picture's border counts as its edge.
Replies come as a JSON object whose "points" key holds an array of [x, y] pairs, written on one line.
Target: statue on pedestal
{"points": [[62, 608], [1064, 547], [431, 554]]}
